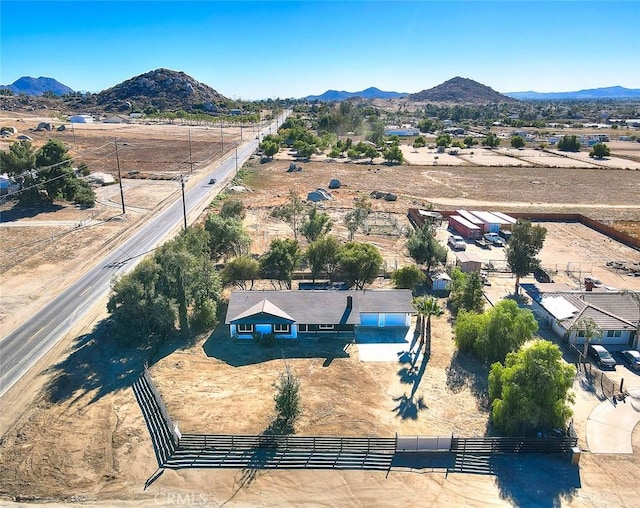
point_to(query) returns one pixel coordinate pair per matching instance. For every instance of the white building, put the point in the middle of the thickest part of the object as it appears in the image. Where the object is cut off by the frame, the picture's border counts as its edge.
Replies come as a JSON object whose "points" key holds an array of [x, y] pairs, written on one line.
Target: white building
{"points": [[81, 119]]}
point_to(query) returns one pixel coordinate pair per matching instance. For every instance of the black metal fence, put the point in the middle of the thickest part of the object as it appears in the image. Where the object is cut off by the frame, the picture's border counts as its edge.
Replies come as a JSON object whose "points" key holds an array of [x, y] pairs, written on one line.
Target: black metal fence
{"points": [[175, 450]]}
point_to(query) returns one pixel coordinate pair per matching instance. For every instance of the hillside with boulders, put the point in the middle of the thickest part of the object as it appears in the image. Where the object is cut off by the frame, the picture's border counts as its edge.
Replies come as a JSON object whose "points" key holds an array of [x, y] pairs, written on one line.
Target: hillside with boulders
{"points": [[162, 90], [461, 91]]}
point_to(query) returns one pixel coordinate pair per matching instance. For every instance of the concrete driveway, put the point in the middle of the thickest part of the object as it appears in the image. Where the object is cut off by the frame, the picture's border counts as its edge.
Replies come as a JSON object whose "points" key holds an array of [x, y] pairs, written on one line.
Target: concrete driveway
{"points": [[610, 426]]}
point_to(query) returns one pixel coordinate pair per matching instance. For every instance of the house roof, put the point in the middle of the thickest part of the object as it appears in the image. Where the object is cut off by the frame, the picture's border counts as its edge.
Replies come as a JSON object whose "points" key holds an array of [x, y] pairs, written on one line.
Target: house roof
{"points": [[263, 307], [316, 306], [610, 310], [465, 257]]}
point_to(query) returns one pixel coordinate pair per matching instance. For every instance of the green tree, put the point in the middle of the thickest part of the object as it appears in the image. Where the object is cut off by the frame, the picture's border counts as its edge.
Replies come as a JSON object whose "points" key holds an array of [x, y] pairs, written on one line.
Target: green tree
{"points": [[466, 292], [280, 261], [408, 277], [19, 158], [425, 249], [523, 247], [569, 144], [500, 330], [316, 225], [287, 399], [531, 392], [393, 154], [491, 140], [468, 327], [270, 148], [178, 284], [360, 263], [227, 237], [517, 142], [291, 212], [419, 142], [358, 217], [508, 327], [371, 153], [469, 141], [238, 271], [322, 256], [232, 209], [599, 150], [443, 140]]}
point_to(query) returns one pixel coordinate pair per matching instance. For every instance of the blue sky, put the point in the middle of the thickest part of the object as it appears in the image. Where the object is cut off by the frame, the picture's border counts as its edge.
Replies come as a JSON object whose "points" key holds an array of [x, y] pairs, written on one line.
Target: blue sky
{"points": [[253, 50]]}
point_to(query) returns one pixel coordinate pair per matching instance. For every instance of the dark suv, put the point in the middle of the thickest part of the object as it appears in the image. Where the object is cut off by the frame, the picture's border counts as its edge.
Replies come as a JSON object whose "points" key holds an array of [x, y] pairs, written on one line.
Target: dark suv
{"points": [[601, 356]]}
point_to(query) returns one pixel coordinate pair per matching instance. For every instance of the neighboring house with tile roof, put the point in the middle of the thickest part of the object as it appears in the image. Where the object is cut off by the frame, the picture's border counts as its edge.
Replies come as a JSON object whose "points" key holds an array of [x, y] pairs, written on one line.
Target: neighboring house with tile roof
{"points": [[299, 313], [616, 313]]}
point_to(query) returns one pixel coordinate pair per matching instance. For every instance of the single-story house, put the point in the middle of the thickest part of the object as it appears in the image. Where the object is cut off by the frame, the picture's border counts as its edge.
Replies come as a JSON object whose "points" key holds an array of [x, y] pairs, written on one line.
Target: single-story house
{"points": [[616, 313], [296, 314]]}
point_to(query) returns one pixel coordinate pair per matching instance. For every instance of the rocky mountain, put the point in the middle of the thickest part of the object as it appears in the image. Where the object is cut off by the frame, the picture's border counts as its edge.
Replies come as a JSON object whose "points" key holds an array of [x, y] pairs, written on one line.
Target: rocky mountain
{"points": [[37, 86], [164, 90], [460, 90], [369, 93], [611, 92]]}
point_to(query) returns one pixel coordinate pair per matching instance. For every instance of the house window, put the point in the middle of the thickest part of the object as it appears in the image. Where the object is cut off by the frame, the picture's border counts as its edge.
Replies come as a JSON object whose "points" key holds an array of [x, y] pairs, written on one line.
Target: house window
{"points": [[281, 328], [614, 333], [245, 328], [303, 328], [326, 327], [580, 333]]}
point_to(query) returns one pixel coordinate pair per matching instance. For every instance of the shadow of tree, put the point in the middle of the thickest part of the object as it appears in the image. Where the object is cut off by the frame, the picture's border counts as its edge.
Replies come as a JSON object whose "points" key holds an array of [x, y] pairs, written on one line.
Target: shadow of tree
{"points": [[466, 371], [17, 212], [535, 480], [408, 408], [98, 364]]}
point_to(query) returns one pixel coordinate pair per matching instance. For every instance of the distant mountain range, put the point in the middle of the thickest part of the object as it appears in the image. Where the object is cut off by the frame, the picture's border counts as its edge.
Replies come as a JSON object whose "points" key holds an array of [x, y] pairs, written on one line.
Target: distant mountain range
{"points": [[611, 92], [37, 86], [460, 90], [369, 93]]}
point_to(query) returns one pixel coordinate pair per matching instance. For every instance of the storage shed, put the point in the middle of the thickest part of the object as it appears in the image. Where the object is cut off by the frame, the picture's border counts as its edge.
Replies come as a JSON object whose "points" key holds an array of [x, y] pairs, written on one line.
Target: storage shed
{"points": [[509, 221], [491, 223], [464, 227], [440, 281], [468, 262], [467, 215]]}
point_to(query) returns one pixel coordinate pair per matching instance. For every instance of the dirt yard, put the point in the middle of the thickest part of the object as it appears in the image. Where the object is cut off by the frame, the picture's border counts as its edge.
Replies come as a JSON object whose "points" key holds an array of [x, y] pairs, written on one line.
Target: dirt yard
{"points": [[83, 438]]}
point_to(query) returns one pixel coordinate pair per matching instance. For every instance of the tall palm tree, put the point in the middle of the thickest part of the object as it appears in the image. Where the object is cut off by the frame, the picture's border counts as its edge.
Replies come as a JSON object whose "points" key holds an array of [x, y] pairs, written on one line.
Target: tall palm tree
{"points": [[426, 307], [419, 304], [590, 330], [433, 309]]}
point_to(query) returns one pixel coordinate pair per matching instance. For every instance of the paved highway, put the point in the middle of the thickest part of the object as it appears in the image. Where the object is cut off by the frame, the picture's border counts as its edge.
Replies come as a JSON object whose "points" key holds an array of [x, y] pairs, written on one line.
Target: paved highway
{"points": [[21, 349]]}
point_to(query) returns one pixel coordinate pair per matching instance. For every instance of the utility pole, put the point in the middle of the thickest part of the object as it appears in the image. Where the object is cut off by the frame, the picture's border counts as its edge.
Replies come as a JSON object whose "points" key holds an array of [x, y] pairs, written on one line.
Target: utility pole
{"points": [[190, 153], [115, 140], [221, 136], [184, 203]]}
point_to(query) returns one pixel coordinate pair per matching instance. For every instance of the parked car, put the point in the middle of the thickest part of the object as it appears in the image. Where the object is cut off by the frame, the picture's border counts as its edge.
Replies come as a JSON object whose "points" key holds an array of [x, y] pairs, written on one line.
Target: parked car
{"points": [[212, 181], [632, 359], [505, 234], [601, 356], [456, 242], [495, 239]]}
